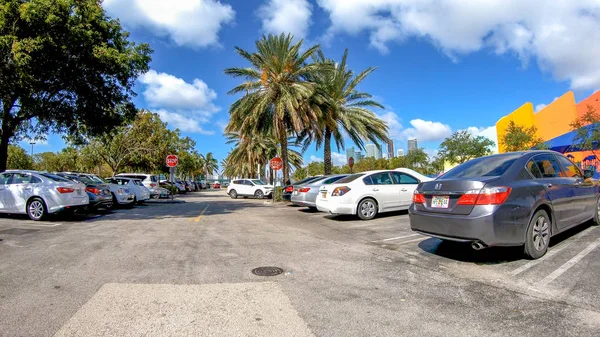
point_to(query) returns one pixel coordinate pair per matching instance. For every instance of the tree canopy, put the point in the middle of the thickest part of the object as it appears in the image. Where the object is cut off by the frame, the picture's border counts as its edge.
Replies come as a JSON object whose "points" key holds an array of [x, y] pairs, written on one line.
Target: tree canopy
{"points": [[521, 138], [66, 67], [463, 146], [587, 129], [18, 159]]}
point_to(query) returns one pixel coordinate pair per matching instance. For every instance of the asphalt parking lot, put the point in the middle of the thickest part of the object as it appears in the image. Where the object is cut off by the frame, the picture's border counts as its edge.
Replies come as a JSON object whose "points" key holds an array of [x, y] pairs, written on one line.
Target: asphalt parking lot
{"points": [[184, 269]]}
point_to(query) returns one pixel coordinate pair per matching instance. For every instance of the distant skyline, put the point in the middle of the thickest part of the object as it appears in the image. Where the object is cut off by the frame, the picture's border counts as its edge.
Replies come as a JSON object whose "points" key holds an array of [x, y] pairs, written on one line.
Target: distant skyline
{"points": [[441, 66]]}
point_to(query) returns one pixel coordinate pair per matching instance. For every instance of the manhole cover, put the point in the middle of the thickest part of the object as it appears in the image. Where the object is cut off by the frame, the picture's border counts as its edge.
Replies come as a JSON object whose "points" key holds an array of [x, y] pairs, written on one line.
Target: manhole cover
{"points": [[18, 231], [267, 271]]}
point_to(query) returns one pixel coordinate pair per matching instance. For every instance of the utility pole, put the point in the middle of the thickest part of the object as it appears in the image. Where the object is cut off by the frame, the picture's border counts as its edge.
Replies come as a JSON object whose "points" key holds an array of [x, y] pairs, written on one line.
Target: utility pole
{"points": [[32, 144]]}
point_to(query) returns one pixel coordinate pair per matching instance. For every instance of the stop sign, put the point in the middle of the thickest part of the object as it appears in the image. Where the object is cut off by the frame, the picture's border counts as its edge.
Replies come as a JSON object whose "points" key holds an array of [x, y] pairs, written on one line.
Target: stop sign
{"points": [[276, 163], [172, 160], [351, 162]]}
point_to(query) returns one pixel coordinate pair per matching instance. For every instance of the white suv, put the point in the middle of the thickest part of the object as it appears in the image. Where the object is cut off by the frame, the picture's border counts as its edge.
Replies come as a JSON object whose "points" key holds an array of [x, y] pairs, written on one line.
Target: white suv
{"points": [[249, 188], [151, 181]]}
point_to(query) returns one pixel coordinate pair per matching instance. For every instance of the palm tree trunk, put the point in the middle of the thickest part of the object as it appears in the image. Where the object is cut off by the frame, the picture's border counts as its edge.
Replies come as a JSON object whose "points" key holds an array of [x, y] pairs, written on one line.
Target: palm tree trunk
{"points": [[284, 157], [327, 150]]}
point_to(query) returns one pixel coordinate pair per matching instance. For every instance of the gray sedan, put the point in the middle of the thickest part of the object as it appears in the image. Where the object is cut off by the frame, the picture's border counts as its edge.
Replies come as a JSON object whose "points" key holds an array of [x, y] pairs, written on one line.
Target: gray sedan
{"points": [[510, 199], [306, 194]]}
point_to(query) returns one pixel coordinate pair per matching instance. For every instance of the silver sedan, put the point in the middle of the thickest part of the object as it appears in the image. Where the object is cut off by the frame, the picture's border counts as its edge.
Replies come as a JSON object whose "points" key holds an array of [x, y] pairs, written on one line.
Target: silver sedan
{"points": [[38, 194], [306, 194]]}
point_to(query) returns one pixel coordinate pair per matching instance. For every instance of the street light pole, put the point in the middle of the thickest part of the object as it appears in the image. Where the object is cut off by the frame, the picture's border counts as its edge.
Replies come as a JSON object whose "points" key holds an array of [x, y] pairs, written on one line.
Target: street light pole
{"points": [[32, 144]]}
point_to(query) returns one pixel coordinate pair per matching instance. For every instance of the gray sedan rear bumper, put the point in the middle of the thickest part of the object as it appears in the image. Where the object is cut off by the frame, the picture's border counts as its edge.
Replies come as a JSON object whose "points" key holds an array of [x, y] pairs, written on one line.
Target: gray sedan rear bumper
{"points": [[490, 227]]}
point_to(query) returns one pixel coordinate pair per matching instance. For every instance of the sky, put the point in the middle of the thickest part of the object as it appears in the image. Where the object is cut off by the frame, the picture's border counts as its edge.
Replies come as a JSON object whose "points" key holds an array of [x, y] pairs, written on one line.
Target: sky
{"points": [[442, 66]]}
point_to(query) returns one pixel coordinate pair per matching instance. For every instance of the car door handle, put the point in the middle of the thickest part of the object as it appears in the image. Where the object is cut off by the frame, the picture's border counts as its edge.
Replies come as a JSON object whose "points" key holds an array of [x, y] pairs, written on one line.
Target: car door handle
{"points": [[375, 189], [404, 190], [548, 185]]}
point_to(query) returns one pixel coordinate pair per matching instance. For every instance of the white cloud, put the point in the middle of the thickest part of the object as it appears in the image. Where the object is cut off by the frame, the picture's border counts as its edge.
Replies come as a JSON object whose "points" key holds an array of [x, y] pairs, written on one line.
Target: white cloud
{"points": [[314, 158], [338, 159], [286, 16], [427, 130], [194, 23], [542, 105], [563, 38], [167, 91], [182, 122], [394, 125], [474, 130], [491, 134]]}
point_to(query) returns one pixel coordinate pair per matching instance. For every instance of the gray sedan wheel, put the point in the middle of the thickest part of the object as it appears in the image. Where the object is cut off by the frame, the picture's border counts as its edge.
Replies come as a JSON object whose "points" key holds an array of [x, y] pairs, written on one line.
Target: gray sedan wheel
{"points": [[259, 194], [36, 209], [367, 209], [597, 214], [538, 235], [233, 194]]}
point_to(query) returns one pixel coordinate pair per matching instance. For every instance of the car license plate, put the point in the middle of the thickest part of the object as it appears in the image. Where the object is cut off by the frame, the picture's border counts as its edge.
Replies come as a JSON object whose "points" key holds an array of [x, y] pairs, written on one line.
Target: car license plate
{"points": [[295, 192], [324, 194], [440, 201], [78, 191]]}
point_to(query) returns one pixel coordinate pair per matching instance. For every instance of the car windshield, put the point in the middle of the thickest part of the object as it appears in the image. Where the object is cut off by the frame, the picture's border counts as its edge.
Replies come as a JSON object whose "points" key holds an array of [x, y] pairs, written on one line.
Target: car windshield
{"points": [[97, 179], [482, 167], [86, 180], [258, 182], [305, 180], [56, 178], [350, 178]]}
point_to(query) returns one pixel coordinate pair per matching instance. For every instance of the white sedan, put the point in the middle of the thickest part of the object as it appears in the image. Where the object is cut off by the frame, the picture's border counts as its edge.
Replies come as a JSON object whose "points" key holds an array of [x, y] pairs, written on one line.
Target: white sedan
{"points": [[38, 194], [368, 193], [141, 193]]}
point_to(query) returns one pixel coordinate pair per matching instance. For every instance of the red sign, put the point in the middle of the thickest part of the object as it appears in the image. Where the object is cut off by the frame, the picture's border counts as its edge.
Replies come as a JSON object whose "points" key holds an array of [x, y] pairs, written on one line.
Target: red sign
{"points": [[351, 162], [172, 160], [276, 163]]}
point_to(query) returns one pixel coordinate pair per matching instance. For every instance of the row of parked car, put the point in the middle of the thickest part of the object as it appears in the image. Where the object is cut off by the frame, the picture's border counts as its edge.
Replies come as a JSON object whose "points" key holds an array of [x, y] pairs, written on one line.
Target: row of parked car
{"points": [[511, 199], [38, 194]]}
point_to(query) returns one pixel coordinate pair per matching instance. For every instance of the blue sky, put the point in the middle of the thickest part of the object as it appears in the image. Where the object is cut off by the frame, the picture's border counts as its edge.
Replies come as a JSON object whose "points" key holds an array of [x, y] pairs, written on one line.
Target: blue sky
{"points": [[442, 65]]}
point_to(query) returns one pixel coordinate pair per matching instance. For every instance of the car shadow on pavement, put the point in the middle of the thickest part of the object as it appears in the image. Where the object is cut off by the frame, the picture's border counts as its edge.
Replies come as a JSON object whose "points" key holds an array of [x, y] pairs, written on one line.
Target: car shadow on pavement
{"points": [[493, 255], [352, 217]]}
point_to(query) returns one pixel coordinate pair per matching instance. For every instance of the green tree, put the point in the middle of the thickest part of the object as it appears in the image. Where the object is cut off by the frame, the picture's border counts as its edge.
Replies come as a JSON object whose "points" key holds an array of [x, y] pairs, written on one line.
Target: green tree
{"points": [[65, 67], [417, 160], [345, 110], [521, 138], [463, 146], [587, 128], [275, 89], [18, 159]]}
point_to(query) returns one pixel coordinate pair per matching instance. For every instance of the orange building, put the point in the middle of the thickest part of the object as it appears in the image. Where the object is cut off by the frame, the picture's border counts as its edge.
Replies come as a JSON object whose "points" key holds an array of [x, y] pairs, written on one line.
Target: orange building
{"points": [[553, 124]]}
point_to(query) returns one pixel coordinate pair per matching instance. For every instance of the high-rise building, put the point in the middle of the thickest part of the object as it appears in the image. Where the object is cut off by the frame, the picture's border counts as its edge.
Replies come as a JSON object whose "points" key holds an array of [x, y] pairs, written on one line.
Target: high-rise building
{"points": [[373, 151], [358, 156], [370, 149], [350, 153], [400, 153], [390, 149], [412, 144]]}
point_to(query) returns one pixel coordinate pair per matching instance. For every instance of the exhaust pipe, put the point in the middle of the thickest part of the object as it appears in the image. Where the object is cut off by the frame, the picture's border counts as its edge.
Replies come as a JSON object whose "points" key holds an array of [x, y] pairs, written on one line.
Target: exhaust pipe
{"points": [[477, 245]]}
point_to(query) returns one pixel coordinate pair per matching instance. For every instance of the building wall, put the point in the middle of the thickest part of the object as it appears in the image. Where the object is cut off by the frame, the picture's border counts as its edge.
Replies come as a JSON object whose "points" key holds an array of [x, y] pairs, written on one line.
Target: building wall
{"points": [[556, 118], [593, 101], [523, 115]]}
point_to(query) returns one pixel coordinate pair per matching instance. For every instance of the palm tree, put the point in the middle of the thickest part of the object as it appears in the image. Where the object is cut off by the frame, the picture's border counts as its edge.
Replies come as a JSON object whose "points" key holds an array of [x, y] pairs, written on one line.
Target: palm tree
{"points": [[209, 164], [275, 88], [250, 153], [345, 110]]}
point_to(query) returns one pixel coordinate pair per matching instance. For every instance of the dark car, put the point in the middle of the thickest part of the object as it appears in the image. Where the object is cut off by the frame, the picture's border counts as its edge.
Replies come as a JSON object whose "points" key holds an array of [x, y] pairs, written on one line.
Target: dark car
{"points": [[510, 199], [98, 193], [289, 189]]}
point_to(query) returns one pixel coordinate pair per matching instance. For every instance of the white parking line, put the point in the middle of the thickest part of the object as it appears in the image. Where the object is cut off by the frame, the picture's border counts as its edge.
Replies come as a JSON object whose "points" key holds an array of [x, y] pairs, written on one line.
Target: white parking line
{"points": [[397, 238], [551, 253], [570, 263], [414, 240], [47, 225]]}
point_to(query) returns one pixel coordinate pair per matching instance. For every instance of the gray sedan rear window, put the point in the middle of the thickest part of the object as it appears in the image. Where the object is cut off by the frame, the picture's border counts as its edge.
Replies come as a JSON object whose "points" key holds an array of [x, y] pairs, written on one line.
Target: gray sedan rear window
{"points": [[491, 166], [55, 178]]}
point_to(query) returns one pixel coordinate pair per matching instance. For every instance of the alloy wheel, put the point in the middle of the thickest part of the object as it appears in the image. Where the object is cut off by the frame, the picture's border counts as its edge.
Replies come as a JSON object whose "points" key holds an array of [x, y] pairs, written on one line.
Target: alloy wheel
{"points": [[367, 209], [541, 233], [36, 209]]}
